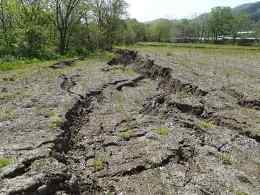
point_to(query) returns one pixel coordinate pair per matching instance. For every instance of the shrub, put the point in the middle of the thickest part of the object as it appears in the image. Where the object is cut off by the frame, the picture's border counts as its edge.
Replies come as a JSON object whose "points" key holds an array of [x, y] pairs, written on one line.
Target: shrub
{"points": [[33, 43]]}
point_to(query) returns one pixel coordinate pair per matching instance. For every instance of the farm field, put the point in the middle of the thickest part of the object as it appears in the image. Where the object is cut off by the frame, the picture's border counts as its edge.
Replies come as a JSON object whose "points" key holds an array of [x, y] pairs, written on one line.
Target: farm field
{"points": [[146, 119]]}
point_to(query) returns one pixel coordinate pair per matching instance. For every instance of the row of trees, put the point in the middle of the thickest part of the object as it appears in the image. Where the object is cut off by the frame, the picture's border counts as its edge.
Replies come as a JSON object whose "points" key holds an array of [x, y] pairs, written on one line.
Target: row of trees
{"points": [[43, 28], [221, 21], [36, 28]]}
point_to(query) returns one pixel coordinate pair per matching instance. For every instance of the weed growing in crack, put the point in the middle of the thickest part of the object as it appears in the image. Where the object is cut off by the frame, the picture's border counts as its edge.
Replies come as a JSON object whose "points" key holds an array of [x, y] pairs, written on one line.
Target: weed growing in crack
{"points": [[163, 131], [129, 71], [241, 193], [4, 162], [119, 102], [119, 105], [226, 159], [124, 70], [258, 167], [257, 120], [7, 114], [206, 125], [169, 54], [109, 193], [7, 96], [126, 134], [56, 120], [183, 94], [99, 164]]}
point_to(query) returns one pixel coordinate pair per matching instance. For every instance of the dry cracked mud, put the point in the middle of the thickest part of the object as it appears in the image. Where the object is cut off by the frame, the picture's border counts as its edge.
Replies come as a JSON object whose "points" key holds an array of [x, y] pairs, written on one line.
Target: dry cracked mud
{"points": [[138, 124]]}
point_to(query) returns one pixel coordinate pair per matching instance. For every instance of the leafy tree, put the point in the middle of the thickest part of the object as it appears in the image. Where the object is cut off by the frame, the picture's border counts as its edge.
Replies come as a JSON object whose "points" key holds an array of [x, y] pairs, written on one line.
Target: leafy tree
{"points": [[184, 30], [9, 17], [160, 30], [220, 21], [201, 27], [241, 22], [66, 16], [108, 15], [35, 25]]}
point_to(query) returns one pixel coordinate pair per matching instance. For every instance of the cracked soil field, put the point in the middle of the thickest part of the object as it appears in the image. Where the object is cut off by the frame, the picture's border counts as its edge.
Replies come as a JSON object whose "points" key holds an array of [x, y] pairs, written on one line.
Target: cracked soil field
{"points": [[152, 120]]}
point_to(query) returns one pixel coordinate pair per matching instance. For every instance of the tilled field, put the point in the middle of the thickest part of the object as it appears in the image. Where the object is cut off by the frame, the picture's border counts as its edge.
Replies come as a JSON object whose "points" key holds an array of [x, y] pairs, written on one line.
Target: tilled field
{"points": [[140, 124]]}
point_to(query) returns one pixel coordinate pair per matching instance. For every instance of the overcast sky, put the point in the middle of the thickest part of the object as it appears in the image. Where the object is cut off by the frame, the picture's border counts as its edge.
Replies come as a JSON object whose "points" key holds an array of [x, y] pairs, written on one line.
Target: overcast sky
{"points": [[146, 10]]}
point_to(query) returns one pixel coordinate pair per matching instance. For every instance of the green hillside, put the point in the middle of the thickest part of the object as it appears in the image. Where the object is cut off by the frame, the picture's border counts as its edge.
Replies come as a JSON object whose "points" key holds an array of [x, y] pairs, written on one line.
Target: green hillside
{"points": [[252, 9]]}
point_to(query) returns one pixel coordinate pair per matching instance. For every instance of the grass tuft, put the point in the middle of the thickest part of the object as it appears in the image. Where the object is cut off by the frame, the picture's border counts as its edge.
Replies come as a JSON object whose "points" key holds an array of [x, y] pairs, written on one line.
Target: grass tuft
{"points": [[206, 125], [99, 164], [241, 193], [226, 158], [17, 64], [56, 120], [7, 114], [163, 131], [4, 162], [126, 134]]}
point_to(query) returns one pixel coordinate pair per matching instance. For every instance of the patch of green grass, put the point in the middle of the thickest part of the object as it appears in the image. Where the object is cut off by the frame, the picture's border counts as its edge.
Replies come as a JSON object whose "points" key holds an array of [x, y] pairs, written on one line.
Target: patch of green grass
{"points": [[257, 119], [129, 71], [163, 131], [17, 64], [123, 70], [103, 55], [241, 193], [99, 164], [109, 193], [206, 125], [232, 71], [258, 167], [4, 162], [226, 158], [117, 70], [183, 94], [7, 114], [169, 54], [197, 46], [119, 105], [126, 134], [8, 96], [56, 120]]}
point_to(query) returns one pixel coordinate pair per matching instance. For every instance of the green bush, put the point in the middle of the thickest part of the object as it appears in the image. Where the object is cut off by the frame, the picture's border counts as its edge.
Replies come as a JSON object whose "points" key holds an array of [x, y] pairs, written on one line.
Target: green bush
{"points": [[33, 43]]}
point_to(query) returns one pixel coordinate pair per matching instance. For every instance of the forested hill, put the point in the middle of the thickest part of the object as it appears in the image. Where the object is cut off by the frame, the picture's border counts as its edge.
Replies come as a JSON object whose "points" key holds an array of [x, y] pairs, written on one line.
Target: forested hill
{"points": [[252, 9]]}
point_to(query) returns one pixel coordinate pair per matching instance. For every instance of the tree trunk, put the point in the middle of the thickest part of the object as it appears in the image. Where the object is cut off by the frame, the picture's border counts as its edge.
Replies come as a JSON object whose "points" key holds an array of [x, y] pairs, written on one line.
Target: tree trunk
{"points": [[62, 43]]}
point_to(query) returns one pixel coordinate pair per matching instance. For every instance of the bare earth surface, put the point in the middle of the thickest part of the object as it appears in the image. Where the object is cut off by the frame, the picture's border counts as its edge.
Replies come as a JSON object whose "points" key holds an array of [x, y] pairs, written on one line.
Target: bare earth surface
{"points": [[157, 121]]}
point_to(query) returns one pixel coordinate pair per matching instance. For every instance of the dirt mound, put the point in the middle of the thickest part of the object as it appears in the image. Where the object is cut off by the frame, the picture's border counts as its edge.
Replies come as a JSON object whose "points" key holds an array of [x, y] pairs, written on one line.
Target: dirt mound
{"points": [[123, 57]]}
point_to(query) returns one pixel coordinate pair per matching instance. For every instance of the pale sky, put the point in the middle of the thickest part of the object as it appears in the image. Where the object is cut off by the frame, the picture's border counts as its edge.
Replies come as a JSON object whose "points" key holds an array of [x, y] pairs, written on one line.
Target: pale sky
{"points": [[147, 10]]}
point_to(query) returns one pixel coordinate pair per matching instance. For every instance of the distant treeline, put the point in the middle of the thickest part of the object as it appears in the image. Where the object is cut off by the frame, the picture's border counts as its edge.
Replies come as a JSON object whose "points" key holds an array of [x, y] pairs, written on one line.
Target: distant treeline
{"points": [[48, 28], [221, 25]]}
